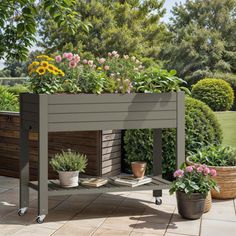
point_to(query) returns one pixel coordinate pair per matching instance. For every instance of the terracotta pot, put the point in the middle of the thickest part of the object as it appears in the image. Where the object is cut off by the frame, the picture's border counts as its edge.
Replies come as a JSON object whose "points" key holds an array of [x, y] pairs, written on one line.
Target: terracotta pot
{"points": [[69, 179], [138, 168], [190, 207]]}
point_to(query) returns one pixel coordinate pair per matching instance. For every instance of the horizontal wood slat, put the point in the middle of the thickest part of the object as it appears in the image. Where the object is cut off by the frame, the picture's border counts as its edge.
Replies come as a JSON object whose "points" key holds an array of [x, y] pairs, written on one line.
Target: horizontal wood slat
{"points": [[110, 98], [131, 124], [105, 108], [114, 116]]}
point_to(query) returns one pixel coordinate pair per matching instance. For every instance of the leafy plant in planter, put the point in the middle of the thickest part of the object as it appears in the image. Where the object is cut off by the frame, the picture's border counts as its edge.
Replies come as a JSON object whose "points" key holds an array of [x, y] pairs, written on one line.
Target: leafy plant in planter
{"points": [[68, 164], [192, 185], [223, 159]]}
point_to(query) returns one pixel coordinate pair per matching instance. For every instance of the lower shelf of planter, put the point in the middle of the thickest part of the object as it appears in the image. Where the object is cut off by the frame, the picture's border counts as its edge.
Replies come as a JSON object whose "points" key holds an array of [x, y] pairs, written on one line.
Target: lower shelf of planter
{"points": [[55, 190]]}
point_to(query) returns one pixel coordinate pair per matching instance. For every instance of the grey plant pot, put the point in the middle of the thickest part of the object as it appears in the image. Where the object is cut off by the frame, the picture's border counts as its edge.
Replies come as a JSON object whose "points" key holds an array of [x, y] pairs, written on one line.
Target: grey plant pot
{"points": [[191, 207], [69, 179]]}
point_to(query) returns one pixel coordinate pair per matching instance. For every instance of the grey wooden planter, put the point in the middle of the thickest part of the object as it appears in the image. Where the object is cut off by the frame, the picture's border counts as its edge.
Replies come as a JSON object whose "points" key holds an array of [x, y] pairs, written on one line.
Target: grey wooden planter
{"points": [[65, 112]]}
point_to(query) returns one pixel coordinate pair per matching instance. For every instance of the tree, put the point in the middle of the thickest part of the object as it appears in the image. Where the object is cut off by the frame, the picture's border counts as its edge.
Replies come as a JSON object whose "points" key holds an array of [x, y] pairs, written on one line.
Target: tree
{"points": [[18, 23], [203, 38], [129, 27]]}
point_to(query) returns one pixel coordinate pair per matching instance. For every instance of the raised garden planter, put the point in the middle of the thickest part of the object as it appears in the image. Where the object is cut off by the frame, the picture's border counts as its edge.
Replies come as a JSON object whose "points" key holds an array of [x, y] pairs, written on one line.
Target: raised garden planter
{"points": [[103, 148], [83, 112]]}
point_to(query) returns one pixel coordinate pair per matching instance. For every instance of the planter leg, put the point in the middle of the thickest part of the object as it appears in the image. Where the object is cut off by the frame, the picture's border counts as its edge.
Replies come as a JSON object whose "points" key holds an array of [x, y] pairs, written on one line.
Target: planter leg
{"points": [[24, 170], [157, 158]]}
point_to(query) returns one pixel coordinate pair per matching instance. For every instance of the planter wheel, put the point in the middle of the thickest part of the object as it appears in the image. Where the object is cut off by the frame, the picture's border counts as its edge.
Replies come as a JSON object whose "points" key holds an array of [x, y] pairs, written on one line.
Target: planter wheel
{"points": [[158, 201], [22, 211], [40, 219]]}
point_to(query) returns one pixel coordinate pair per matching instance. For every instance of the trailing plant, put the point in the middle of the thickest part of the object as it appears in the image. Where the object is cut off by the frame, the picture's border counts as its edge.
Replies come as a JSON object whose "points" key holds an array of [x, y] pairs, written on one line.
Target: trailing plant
{"points": [[17, 89], [69, 161], [8, 101], [215, 156], [202, 128], [194, 179], [216, 93]]}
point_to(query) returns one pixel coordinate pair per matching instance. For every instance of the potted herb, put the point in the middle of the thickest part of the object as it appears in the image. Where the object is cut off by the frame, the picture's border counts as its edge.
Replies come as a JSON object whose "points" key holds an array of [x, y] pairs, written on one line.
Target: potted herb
{"points": [[191, 186], [68, 164], [223, 159]]}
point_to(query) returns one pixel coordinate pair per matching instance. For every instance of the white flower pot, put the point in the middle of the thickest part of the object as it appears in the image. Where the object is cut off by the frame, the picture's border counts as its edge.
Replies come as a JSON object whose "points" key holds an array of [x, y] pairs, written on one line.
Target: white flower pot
{"points": [[69, 179]]}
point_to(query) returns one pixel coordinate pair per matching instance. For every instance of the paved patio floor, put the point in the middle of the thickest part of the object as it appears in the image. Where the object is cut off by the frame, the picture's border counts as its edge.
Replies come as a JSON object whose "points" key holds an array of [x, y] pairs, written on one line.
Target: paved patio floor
{"points": [[126, 213]]}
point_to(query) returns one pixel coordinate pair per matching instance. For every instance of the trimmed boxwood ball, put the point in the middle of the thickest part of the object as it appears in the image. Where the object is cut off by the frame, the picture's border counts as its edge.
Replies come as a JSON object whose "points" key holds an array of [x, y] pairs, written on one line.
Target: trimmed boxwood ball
{"points": [[216, 93], [202, 128]]}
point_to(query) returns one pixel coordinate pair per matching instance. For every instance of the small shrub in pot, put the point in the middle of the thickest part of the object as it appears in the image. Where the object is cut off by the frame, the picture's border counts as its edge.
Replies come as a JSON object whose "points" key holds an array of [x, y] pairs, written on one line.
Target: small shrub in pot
{"points": [[68, 164]]}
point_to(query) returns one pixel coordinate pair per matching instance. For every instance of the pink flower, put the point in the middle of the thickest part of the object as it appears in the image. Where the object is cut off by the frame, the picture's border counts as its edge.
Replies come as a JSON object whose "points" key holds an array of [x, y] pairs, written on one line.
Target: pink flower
{"points": [[58, 58], [72, 64], [85, 61], [189, 169], [76, 58], [179, 173], [65, 55], [101, 60], [69, 56], [109, 54], [90, 62], [206, 171], [106, 67], [114, 53], [126, 57], [213, 172], [199, 169]]}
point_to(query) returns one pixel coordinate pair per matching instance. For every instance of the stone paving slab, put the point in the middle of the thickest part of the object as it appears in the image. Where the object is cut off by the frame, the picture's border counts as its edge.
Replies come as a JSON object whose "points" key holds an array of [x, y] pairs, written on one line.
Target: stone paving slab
{"points": [[122, 213]]}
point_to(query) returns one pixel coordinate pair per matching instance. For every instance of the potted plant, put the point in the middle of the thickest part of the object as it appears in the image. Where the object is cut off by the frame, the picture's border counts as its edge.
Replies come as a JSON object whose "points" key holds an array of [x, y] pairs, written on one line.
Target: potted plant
{"points": [[223, 159], [68, 164], [191, 186], [138, 168]]}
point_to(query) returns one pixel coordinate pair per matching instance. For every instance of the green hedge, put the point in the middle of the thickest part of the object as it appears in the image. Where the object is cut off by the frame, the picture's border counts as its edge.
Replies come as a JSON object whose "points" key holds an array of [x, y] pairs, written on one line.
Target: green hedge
{"points": [[8, 101], [216, 93], [202, 128]]}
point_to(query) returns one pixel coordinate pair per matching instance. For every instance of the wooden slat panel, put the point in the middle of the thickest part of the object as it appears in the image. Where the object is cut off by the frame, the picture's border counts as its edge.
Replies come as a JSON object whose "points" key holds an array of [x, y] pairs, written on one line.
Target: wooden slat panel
{"points": [[111, 143], [109, 116], [119, 107], [108, 169], [110, 98], [108, 137], [30, 107], [112, 155], [111, 149], [29, 98], [114, 131], [112, 124], [111, 162]]}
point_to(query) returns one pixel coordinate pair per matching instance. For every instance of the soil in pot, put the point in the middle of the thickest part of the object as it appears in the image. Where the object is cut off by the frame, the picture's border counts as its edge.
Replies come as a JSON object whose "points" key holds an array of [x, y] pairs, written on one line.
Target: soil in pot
{"points": [[138, 169], [69, 179], [190, 207]]}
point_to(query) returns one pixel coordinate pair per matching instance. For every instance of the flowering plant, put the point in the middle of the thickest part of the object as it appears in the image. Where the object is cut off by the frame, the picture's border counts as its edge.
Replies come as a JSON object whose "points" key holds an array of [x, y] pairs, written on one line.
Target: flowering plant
{"points": [[194, 179], [45, 77]]}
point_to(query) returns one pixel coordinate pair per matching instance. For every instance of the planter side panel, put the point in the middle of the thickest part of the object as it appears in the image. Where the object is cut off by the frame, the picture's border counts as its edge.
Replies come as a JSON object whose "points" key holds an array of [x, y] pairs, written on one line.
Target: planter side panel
{"points": [[111, 111]]}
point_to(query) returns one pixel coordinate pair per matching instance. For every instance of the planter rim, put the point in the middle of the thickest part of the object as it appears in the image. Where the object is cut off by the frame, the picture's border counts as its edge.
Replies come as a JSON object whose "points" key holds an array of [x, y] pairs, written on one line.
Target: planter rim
{"points": [[10, 113], [74, 171], [195, 194], [215, 167]]}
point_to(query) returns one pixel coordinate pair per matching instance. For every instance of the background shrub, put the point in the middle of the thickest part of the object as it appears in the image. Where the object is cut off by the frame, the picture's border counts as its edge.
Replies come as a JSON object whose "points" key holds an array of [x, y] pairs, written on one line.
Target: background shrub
{"points": [[202, 128], [8, 101], [216, 93], [17, 89]]}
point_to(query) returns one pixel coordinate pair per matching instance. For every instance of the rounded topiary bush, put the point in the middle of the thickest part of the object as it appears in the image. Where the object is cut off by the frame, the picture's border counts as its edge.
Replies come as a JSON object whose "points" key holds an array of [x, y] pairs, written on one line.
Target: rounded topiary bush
{"points": [[216, 93], [8, 101], [232, 82], [202, 128]]}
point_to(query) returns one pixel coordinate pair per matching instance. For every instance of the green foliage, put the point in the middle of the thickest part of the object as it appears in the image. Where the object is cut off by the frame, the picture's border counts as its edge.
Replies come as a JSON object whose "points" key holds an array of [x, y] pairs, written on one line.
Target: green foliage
{"points": [[69, 161], [8, 101], [18, 22], [216, 93], [202, 128], [156, 80], [215, 156], [193, 179], [202, 38], [130, 27], [17, 89]]}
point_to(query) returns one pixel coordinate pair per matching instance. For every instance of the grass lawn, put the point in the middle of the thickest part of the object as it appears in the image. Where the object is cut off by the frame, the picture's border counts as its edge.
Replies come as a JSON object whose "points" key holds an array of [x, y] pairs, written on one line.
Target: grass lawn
{"points": [[228, 123]]}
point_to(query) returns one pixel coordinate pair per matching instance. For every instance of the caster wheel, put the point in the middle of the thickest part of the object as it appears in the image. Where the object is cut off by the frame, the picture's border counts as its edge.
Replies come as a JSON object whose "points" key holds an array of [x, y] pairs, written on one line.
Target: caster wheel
{"points": [[22, 211], [40, 219], [158, 201]]}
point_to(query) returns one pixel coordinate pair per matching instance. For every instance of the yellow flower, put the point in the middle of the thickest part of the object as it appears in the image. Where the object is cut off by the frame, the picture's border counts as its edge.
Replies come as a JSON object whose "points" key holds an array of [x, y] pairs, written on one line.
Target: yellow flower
{"points": [[44, 64], [41, 70], [45, 57], [35, 63], [31, 71], [99, 68], [61, 73]]}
